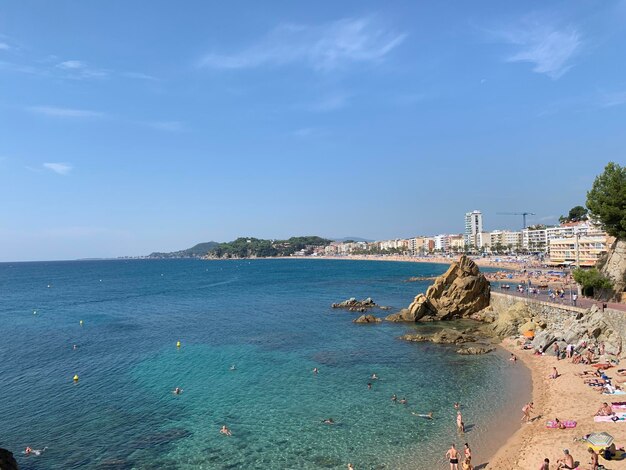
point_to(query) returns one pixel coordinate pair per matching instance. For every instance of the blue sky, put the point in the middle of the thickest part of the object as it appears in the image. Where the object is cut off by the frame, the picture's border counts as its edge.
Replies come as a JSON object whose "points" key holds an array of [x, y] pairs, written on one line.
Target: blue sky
{"points": [[132, 127]]}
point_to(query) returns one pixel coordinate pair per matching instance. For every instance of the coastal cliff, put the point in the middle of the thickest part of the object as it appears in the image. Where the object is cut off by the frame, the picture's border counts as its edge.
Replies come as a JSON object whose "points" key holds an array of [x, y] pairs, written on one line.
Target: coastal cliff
{"points": [[459, 293]]}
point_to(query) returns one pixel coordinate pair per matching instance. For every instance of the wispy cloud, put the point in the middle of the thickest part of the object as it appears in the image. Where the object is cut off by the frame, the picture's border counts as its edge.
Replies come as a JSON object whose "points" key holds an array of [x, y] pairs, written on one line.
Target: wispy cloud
{"points": [[539, 42], [54, 111], [138, 76], [77, 69], [608, 100], [322, 47], [59, 168]]}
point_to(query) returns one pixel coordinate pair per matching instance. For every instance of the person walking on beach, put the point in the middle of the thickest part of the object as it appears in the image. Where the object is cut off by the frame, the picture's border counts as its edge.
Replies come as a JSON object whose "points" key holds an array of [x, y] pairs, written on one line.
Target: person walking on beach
{"points": [[459, 422], [526, 410], [467, 451], [453, 456]]}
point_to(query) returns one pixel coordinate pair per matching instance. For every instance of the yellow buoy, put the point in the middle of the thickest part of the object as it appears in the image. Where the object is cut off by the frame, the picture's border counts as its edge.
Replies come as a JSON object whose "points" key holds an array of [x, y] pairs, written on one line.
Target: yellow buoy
{"points": [[178, 344], [76, 378]]}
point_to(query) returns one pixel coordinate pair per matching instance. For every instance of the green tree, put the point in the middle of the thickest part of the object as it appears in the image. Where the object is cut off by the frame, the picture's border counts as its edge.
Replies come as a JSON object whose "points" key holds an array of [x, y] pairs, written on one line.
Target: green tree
{"points": [[592, 281], [576, 214], [607, 200]]}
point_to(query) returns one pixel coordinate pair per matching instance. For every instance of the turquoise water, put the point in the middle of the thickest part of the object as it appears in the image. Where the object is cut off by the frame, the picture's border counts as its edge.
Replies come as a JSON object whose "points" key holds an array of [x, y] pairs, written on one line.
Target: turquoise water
{"points": [[270, 318]]}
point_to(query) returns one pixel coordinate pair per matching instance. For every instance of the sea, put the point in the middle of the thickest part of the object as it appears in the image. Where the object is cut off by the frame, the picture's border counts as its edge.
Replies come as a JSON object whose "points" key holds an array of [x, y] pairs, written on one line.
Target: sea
{"points": [[250, 333]]}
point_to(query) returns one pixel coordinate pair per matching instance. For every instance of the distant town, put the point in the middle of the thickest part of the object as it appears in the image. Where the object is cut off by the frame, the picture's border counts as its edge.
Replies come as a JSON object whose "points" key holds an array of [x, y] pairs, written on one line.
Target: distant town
{"points": [[578, 243]]}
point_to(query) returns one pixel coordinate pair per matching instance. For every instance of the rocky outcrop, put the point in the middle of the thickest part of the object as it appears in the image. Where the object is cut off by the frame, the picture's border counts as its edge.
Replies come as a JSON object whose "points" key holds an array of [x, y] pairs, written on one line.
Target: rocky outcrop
{"points": [[475, 350], [367, 319], [615, 267], [462, 291], [508, 322], [356, 305], [445, 336], [459, 293], [7, 461]]}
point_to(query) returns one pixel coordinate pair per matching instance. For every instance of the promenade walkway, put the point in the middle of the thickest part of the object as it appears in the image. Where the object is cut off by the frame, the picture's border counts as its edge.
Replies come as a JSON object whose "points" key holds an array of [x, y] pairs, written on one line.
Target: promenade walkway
{"points": [[544, 297]]}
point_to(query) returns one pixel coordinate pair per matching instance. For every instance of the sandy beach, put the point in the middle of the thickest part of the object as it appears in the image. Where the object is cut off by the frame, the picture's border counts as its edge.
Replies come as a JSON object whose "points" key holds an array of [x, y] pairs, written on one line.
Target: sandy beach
{"points": [[501, 262], [566, 398]]}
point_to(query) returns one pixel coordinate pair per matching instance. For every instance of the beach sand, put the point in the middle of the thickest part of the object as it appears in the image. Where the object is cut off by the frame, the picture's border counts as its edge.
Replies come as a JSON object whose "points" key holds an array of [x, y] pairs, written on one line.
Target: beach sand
{"points": [[566, 398]]}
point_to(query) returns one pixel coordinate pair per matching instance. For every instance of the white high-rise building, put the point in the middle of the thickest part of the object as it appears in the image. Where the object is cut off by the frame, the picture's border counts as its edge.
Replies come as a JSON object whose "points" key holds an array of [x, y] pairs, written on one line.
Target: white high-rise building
{"points": [[473, 226]]}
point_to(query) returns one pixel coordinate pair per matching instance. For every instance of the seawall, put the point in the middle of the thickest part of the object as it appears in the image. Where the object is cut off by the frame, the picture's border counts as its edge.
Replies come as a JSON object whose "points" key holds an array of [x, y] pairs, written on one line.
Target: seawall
{"points": [[610, 323]]}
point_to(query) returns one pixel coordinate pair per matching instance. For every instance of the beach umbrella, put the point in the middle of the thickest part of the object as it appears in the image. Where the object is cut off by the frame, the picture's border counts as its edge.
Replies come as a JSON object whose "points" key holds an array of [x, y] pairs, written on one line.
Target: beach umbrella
{"points": [[600, 439]]}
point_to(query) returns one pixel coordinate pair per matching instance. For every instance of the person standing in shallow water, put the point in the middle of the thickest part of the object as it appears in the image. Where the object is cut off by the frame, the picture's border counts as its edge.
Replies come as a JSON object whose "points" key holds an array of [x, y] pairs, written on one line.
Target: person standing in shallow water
{"points": [[460, 425], [453, 456]]}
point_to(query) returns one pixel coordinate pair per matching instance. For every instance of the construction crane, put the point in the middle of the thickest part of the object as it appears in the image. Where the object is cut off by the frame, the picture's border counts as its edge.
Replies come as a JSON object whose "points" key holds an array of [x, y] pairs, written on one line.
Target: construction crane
{"points": [[523, 214]]}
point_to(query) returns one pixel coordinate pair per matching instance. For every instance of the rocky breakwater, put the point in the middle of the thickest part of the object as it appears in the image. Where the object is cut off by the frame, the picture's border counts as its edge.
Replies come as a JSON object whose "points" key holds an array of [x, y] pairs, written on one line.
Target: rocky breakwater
{"points": [[7, 461], [361, 306], [554, 323], [459, 293]]}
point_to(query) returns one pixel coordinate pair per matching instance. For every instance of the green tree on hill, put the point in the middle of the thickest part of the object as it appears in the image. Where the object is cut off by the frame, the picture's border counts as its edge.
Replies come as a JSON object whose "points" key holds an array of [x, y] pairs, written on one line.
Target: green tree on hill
{"points": [[607, 200], [576, 214]]}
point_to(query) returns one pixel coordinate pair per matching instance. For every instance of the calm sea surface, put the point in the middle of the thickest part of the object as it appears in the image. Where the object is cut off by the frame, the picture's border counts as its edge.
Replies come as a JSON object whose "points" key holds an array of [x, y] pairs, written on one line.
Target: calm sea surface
{"points": [[270, 318]]}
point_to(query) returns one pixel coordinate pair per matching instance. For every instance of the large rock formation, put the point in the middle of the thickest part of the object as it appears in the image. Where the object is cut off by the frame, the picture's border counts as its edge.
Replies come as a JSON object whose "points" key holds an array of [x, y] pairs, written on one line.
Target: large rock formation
{"points": [[615, 268], [461, 292], [7, 461]]}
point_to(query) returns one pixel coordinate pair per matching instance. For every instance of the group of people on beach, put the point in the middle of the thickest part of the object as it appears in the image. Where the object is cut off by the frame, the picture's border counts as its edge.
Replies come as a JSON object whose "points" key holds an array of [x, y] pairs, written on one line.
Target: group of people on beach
{"points": [[453, 456]]}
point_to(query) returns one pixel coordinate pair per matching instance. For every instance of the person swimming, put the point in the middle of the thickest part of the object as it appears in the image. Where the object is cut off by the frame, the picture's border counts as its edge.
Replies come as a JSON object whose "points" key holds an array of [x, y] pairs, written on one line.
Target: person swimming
{"points": [[425, 416], [374, 377], [394, 398], [177, 391], [233, 367], [31, 451], [403, 401], [328, 421], [225, 431]]}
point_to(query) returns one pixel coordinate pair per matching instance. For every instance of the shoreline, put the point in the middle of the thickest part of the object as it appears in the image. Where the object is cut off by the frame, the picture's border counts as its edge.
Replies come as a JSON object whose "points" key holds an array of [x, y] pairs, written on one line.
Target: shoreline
{"points": [[566, 398]]}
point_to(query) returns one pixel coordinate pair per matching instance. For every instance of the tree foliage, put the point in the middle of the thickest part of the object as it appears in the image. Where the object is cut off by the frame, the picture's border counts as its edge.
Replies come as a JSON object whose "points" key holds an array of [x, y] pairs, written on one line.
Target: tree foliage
{"points": [[607, 200], [255, 247], [576, 214], [592, 281]]}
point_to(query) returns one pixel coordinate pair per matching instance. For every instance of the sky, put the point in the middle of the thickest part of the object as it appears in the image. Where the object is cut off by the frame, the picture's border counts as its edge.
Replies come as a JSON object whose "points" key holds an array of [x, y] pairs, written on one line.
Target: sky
{"points": [[133, 127]]}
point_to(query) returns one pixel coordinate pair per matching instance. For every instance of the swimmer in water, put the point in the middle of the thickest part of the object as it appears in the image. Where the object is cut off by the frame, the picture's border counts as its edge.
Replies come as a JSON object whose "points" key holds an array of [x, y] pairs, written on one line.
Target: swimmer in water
{"points": [[394, 398], [403, 401], [374, 377], [315, 370], [30, 451], [177, 391], [328, 421], [425, 416], [233, 367], [369, 385], [225, 431]]}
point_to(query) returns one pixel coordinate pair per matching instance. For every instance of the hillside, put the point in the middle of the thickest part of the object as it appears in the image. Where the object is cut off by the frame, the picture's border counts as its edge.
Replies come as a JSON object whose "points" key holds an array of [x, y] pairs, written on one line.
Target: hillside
{"points": [[246, 247], [196, 251]]}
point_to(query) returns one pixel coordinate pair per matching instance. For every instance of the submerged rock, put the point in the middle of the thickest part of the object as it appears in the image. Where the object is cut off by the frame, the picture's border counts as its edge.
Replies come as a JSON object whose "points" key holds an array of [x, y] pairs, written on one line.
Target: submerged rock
{"points": [[445, 336], [475, 350]]}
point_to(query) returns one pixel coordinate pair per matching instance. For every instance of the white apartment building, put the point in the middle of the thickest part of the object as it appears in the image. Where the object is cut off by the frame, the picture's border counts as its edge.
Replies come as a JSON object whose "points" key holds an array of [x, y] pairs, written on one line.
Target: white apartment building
{"points": [[535, 240], [473, 227], [442, 242]]}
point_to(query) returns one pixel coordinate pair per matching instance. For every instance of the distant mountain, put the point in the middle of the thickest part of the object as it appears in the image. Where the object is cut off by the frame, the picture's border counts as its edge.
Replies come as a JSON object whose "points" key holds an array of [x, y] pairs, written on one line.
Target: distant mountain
{"points": [[196, 251], [353, 239]]}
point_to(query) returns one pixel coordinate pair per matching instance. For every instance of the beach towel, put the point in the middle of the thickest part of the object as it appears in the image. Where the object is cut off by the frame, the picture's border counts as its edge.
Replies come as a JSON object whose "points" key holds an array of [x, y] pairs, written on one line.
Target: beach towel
{"points": [[619, 417], [568, 424], [616, 392], [618, 405]]}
